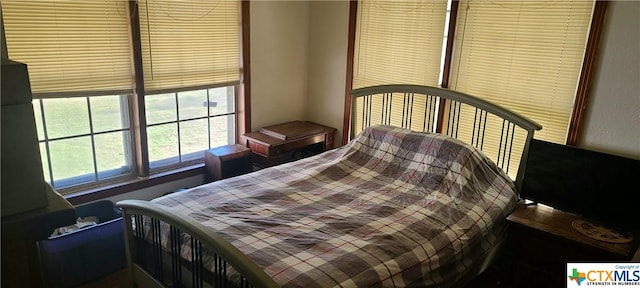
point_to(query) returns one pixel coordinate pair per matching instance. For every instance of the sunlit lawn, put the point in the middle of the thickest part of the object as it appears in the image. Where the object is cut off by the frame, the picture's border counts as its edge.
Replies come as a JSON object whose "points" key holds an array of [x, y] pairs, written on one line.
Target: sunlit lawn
{"points": [[69, 117]]}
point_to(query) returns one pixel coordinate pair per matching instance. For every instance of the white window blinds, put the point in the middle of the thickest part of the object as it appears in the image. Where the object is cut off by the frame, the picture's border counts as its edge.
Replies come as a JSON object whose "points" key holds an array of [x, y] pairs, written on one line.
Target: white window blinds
{"points": [[188, 44], [523, 55], [398, 42], [72, 48]]}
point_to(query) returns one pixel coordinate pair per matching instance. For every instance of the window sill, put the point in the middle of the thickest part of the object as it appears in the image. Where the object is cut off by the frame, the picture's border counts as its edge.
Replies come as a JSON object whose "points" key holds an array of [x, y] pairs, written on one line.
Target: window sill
{"points": [[131, 185]]}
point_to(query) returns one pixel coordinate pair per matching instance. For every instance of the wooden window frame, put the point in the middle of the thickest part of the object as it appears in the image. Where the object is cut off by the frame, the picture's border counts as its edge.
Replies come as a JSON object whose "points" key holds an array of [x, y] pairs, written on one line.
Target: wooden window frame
{"points": [[586, 75]]}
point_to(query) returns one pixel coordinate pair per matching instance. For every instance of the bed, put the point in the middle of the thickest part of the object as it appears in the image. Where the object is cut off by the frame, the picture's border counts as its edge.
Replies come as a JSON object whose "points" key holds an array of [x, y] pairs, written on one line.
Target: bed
{"points": [[417, 198]]}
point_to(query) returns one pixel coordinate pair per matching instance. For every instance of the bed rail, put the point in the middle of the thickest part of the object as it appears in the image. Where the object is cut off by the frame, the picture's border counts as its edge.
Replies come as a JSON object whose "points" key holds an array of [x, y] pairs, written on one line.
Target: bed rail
{"points": [[459, 115], [148, 268]]}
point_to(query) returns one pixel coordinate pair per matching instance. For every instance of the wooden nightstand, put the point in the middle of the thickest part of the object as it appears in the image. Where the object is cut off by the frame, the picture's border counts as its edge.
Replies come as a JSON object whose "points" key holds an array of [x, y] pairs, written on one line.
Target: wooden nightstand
{"points": [[227, 161], [542, 241], [289, 141]]}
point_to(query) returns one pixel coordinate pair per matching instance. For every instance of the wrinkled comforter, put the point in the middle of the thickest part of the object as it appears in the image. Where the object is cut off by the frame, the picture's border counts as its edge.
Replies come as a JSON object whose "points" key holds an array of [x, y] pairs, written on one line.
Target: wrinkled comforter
{"points": [[394, 208]]}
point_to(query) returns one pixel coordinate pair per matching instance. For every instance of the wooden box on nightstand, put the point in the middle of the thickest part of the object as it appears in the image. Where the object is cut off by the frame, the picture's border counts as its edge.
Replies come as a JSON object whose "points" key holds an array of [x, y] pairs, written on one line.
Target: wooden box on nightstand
{"points": [[227, 161]]}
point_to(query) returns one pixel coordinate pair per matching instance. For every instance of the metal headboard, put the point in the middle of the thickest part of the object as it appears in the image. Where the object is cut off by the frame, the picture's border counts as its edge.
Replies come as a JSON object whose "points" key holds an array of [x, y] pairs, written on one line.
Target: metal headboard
{"points": [[434, 109]]}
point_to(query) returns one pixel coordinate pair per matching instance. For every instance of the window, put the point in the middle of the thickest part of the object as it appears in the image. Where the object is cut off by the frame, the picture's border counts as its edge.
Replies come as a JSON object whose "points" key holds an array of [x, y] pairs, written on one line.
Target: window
{"points": [[188, 46], [524, 55], [84, 138], [398, 42], [531, 66], [78, 56], [126, 89], [385, 56], [181, 125]]}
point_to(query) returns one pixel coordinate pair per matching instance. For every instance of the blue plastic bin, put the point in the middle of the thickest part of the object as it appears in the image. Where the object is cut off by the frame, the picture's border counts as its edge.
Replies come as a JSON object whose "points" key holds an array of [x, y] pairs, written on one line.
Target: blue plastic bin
{"points": [[87, 254]]}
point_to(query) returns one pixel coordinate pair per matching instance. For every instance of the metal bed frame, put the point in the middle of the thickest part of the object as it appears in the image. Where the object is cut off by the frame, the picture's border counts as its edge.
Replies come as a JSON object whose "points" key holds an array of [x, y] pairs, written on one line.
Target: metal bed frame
{"points": [[442, 115], [423, 108]]}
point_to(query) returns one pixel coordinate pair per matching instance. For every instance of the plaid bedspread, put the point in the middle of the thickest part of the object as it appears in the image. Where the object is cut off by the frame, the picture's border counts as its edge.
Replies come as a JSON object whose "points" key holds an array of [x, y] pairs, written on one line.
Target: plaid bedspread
{"points": [[394, 208]]}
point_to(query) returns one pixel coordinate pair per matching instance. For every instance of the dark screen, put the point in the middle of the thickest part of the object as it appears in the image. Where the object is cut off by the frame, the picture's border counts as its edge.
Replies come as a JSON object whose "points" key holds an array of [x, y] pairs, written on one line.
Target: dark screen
{"points": [[598, 186]]}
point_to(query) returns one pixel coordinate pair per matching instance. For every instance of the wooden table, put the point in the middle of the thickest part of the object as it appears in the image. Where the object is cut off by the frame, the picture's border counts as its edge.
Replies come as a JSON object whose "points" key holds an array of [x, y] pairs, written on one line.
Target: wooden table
{"points": [[273, 145], [543, 241]]}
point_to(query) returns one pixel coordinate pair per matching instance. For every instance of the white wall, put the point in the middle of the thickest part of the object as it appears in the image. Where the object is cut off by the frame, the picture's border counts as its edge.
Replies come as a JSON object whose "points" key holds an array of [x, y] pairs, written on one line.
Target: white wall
{"points": [[612, 122], [279, 49], [328, 37]]}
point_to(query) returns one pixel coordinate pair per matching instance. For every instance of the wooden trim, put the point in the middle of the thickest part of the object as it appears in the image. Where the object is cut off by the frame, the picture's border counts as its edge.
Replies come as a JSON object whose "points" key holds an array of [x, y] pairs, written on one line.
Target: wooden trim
{"points": [[353, 9], [448, 56], [587, 72], [453, 20], [134, 184], [243, 104], [138, 115]]}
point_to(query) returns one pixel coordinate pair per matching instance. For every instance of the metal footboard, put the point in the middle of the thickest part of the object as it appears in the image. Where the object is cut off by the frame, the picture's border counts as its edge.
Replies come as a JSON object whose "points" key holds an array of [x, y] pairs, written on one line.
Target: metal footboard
{"points": [[192, 255]]}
